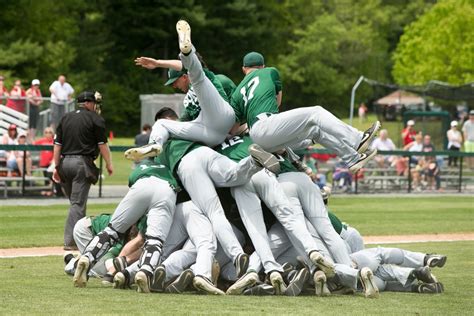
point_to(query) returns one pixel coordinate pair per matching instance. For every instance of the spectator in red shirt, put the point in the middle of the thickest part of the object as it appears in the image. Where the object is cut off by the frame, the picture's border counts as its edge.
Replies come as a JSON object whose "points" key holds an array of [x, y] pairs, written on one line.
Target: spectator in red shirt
{"points": [[3, 91], [409, 133], [35, 100], [46, 159], [16, 93]]}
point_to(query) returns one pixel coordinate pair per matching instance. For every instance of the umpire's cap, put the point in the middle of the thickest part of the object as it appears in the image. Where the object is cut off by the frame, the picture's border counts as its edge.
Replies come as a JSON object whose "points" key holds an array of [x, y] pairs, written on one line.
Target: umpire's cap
{"points": [[86, 96], [253, 59], [173, 75]]}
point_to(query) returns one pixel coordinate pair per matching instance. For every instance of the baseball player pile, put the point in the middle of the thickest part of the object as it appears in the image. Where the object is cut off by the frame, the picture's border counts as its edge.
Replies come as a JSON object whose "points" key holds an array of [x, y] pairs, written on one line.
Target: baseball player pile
{"points": [[221, 204]]}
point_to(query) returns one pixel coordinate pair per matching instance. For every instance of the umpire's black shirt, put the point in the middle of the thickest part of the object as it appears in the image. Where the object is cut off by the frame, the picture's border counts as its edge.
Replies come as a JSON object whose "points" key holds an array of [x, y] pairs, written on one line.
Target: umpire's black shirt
{"points": [[80, 132]]}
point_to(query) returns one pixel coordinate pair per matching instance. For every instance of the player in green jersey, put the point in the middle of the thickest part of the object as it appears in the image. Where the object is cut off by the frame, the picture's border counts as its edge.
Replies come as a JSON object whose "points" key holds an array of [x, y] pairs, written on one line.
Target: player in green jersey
{"points": [[152, 192], [256, 101]]}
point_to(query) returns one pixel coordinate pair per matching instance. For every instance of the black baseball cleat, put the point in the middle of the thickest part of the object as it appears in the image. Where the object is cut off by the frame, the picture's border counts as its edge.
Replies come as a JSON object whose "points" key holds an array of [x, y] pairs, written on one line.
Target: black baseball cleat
{"points": [[143, 281], [364, 158], [68, 257], [241, 264], [434, 260], [203, 284], [181, 283], [260, 290], [158, 281], [424, 275], [264, 159], [297, 281], [367, 137], [429, 288]]}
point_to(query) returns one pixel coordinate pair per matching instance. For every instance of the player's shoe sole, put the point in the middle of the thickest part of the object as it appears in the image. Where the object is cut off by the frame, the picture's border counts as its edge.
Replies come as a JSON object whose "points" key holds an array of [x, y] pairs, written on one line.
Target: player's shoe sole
{"points": [[368, 136], [140, 153], [260, 290], [277, 282], [320, 284], [184, 36], [158, 280], [297, 283], [80, 276], [264, 159], [247, 280], [363, 160], [205, 285], [325, 265], [367, 280], [143, 282], [436, 260], [181, 283], [120, 281], [241, 264]]}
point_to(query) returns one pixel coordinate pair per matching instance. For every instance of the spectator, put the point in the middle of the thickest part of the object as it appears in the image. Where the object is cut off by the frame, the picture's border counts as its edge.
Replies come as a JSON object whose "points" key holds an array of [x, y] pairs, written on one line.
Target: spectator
{"points": [[362, 112], [61, 93], [342, 177], [454, 142], [34, 99], [383, 143], [3, 91], [10, 138], [408, 133], [468, 132], [17, 97], [318, 178], [46, 160], [142, 138], [19, 157]]}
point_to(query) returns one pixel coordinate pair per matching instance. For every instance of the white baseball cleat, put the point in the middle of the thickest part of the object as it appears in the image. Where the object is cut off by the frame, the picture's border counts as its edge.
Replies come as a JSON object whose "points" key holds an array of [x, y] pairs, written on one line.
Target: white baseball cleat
{"points": [[320, 284], [247, 280], [277, 282], [184, 36], [368, 136], [363, 159], [264, 159], [140, 153], [367, 280], [143, 282], [80, 275], [325, 265], [205, 285]]}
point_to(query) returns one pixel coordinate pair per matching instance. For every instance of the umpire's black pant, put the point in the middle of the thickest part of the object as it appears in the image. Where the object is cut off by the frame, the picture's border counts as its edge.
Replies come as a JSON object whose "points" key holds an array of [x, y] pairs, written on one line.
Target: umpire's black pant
{"points": [[76, 187]]}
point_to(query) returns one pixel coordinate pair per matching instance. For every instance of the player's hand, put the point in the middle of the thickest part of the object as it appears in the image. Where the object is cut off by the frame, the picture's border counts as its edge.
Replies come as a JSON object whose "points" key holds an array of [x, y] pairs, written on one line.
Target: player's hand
{"points": [[110, 169], [146, 62], [56, 177]]}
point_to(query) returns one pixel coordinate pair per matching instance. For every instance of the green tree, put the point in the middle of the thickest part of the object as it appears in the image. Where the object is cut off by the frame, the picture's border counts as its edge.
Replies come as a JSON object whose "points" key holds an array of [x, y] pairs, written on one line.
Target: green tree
{"points": [[438, 46]]}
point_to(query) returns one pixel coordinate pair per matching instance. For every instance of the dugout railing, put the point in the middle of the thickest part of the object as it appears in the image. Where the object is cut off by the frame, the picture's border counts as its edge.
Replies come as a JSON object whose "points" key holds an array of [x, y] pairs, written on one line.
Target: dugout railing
{"points": [[400, 153]]}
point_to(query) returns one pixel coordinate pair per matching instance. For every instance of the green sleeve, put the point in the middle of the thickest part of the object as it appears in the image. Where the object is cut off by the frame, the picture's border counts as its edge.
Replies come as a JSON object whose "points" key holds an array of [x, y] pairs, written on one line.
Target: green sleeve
{"points": [[115, 250], [335, 221], [276, 80], [236, 103]]}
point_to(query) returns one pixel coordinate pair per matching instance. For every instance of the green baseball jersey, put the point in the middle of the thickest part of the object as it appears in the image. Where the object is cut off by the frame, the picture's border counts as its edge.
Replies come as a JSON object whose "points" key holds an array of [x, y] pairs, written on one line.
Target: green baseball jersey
{"points": [[228, 85], [173, 151], [256, 94], [191, 102], [149, 168], [336, 222], [141, 225], [98, 224], [235, 148]]}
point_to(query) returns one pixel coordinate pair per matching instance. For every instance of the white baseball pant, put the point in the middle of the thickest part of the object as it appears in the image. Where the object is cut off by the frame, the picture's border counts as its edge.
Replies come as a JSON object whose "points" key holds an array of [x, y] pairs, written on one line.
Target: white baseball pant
{"points": [[215, 119], [288, 129], [201, 170]]}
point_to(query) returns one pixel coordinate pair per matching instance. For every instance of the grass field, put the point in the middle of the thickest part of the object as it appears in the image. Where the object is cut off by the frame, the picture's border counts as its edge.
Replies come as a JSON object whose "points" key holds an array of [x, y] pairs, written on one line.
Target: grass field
{"points": [[28, 226], [39, 286]]}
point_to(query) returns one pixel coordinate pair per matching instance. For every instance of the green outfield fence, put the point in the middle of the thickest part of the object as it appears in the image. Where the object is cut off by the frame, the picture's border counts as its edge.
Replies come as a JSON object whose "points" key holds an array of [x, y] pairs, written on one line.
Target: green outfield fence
{"points": [[402, 153]]}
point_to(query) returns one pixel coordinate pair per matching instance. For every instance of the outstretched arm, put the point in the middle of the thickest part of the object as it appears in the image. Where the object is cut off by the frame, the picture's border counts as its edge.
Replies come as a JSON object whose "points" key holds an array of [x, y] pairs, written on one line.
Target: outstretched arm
{"points": [[151, 63]]}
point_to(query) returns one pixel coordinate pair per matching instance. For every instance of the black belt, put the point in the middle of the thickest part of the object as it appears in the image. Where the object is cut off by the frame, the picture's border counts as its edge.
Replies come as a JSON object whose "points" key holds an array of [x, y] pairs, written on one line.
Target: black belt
{"points": [[77, 156]]}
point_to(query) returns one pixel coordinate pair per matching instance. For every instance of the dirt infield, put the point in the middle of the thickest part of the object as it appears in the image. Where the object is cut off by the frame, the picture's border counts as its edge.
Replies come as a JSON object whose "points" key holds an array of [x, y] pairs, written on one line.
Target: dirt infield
{"points": [[369, 240]]}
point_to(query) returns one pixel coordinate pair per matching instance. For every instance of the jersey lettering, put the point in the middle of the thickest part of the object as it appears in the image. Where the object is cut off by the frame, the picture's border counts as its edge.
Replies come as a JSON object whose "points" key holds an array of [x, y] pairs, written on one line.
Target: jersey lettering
{"points": [[252, 85], [231, 142]]}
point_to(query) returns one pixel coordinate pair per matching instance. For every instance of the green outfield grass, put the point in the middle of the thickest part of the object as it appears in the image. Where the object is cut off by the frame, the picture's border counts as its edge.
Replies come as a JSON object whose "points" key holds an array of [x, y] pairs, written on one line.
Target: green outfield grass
{"points": [[39, 286], [27, 226]]}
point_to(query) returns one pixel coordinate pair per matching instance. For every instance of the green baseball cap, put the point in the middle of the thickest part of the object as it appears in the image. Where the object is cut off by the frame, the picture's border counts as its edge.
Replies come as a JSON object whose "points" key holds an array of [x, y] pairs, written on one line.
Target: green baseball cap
{"points": [[173, 75], [253, 59]]}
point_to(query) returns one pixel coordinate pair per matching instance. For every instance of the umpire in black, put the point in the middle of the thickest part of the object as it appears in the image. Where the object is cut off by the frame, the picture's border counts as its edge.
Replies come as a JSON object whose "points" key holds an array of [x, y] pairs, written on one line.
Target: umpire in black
{"points": [[80, 136]]}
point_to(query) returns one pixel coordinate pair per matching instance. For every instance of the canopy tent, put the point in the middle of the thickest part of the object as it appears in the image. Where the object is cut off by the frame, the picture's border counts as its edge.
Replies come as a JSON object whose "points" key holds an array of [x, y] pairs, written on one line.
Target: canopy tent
{"points": [[400, 97]]}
